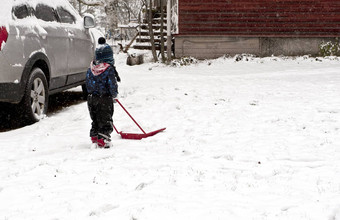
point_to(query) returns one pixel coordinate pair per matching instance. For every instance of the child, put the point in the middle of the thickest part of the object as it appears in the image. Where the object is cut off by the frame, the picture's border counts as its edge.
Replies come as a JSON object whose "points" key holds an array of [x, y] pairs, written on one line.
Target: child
{"points": [[102, 88]]}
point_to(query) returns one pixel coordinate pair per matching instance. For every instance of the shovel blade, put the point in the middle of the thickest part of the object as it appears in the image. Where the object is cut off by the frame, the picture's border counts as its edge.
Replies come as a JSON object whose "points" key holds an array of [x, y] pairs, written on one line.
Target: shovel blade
{"points": [[139, 136]]}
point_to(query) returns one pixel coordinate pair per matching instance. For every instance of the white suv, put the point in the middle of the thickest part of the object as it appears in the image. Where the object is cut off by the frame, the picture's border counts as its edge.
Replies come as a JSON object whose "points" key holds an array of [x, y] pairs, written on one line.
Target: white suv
{"points": [[45, 48]]}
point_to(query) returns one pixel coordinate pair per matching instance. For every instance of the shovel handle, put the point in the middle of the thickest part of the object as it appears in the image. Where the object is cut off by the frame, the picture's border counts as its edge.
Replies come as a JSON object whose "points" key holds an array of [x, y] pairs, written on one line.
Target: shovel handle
{"points": [[130, 116], [115, 128]]}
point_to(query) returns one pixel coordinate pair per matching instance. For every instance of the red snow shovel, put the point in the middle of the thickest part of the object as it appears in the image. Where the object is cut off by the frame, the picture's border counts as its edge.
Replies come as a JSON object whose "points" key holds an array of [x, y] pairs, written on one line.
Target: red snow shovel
{"points": [[132, 135]]}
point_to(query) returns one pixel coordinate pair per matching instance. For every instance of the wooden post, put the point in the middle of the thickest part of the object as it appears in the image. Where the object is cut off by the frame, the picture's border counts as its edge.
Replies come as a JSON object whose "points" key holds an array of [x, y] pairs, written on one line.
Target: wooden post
{"points": [[152, 37], [168, 41], [162, 31]]}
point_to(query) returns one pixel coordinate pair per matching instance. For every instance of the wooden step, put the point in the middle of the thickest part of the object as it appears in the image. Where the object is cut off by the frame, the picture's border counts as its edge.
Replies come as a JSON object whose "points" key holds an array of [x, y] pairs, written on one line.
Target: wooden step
{"points": [[147, 47], [144, 40], [155, 27], [156, 33], [154, 21]]}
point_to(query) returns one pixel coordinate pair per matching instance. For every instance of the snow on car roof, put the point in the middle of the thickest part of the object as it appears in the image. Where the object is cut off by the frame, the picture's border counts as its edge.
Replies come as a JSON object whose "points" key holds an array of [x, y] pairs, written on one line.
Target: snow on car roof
{"points": [[6, 8]]}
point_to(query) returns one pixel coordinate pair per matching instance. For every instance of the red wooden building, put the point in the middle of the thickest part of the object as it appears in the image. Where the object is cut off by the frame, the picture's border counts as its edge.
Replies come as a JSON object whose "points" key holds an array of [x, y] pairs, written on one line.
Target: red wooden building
{"points": [[212, 28]]}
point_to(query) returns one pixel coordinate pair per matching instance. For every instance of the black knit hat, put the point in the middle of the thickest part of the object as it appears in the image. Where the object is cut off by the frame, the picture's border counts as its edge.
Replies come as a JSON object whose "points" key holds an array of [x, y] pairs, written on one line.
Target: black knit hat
{"points": [[104, 54], [101, 40]]}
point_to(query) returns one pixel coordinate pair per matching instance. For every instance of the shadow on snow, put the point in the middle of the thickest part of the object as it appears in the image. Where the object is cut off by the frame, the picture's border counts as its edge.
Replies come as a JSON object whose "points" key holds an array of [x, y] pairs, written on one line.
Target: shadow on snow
{"points": [[9, 120]]}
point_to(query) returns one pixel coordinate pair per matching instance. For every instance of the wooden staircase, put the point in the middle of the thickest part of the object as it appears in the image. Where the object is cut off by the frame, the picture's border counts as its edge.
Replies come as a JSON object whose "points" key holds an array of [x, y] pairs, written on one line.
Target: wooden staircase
{"points": [[143, 41]]}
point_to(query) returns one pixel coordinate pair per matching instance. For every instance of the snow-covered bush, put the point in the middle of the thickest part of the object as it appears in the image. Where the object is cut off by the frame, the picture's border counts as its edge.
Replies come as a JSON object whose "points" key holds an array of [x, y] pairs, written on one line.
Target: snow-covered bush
{"points": [[244, 57], [184, 61], [330, 48]]}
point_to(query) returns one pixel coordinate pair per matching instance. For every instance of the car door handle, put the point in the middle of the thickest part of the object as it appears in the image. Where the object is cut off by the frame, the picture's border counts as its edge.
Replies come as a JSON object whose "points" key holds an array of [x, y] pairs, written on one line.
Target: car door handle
{"points": [[70, 34]]}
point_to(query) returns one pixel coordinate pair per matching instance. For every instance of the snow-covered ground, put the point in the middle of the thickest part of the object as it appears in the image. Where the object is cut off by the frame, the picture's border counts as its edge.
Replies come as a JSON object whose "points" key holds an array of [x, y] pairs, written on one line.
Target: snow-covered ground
{"points": [[256, 139]]}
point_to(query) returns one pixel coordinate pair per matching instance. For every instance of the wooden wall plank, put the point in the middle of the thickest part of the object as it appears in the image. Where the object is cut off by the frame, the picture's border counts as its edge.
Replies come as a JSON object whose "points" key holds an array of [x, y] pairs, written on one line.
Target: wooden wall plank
{"points": [[260, 17]]}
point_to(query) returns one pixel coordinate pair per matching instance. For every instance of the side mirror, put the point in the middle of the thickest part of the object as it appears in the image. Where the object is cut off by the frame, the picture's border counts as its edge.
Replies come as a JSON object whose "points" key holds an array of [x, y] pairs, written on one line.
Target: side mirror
{"points": [[89, 21]]}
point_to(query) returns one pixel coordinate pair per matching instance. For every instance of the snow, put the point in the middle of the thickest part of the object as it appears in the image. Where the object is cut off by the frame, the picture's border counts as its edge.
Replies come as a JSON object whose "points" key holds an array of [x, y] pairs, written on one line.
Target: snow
{"points": [[254, 139], [6, 12]]}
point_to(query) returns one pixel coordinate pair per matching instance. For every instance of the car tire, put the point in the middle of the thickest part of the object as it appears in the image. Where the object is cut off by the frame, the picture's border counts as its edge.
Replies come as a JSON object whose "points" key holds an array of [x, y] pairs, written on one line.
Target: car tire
{"points": [[35, 101]]}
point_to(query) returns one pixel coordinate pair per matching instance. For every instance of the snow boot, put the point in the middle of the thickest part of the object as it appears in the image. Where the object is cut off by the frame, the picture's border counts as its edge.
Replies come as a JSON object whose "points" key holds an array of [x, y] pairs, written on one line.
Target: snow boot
{"points": [[103, 143], [94, 139]]}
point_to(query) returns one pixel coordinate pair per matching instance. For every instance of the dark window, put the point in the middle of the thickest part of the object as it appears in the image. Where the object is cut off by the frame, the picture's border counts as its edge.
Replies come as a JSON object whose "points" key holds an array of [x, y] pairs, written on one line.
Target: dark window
{"points": [[22, 11], [65, 16], [45, 13]]}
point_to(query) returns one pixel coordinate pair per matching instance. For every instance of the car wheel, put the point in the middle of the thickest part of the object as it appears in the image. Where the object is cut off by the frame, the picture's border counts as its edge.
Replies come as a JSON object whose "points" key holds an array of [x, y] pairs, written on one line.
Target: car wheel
{"points": [[35, 101]]}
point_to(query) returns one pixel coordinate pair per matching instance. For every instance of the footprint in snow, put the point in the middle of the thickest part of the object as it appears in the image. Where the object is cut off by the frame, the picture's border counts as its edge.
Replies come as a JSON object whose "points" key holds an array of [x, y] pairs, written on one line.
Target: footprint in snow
{"points": [[103, 209]]}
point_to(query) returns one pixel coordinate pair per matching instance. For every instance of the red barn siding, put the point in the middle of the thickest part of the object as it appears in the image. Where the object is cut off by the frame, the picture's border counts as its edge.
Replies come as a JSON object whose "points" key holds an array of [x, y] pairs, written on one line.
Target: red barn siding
{"points": [[263, 18]]}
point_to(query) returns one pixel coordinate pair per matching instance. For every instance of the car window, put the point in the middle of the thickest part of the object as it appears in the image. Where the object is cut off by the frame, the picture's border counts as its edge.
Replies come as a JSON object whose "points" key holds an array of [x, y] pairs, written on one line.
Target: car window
{"points": [[65, 16], [45, 13], [22, 11]]}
